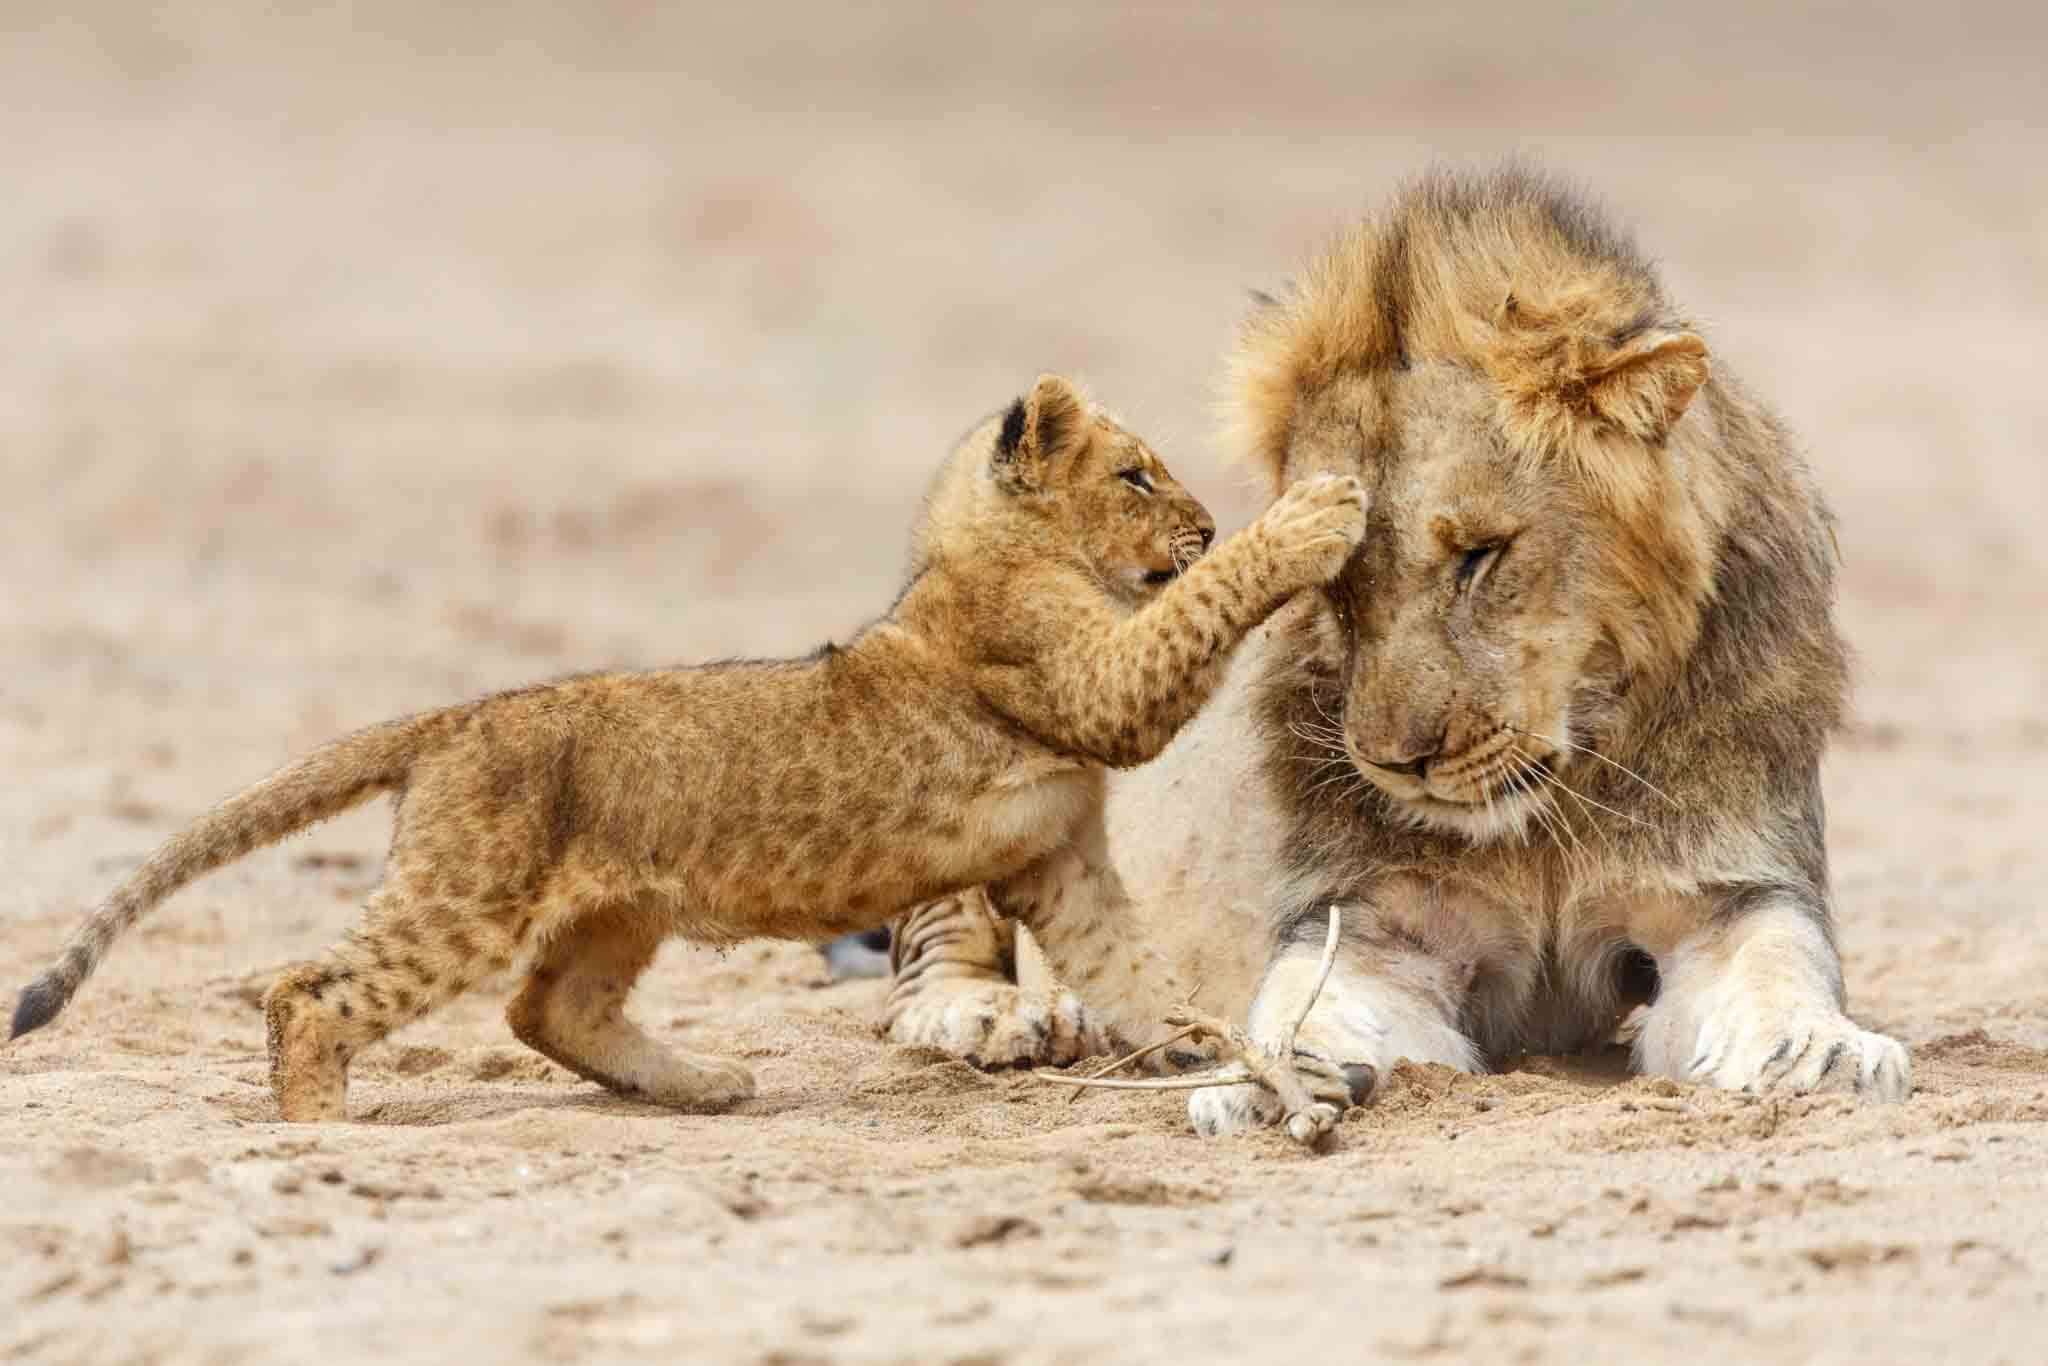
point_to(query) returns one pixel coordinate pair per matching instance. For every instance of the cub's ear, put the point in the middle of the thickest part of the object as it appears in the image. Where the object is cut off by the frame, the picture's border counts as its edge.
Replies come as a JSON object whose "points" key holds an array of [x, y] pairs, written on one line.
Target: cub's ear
{"points": [[1644, 385], [1038, 432]]}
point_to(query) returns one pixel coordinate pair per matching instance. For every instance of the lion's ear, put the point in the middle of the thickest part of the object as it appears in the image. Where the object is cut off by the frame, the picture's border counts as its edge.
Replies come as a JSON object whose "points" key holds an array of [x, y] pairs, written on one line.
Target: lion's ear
{"points": [[1644, 385], [1039, 431], [1564, 368]]}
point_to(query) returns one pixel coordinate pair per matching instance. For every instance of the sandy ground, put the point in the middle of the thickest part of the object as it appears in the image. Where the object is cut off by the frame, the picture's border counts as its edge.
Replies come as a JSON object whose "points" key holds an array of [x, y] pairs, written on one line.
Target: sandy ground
{"points": [[356, 365]]}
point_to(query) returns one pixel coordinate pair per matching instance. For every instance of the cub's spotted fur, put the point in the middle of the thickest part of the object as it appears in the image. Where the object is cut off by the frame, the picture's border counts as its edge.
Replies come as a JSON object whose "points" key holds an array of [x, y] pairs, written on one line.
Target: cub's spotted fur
{"points": [[1060, 618]]}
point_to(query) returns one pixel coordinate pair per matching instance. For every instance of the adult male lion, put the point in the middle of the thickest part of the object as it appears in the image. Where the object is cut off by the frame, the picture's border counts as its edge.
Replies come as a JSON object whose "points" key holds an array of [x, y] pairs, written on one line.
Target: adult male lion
{"points": [[1553, 738]]}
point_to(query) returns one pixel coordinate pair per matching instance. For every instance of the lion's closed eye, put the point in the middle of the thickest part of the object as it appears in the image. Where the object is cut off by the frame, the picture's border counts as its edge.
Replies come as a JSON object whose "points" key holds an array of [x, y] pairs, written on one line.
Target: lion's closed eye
{"points": [[1476, 563]]}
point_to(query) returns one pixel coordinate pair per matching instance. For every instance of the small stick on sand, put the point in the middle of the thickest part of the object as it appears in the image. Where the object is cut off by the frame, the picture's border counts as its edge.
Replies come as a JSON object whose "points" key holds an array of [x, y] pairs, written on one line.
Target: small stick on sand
{"points": [[1147, 1051], [1127, 1059], [1308, 1120]]}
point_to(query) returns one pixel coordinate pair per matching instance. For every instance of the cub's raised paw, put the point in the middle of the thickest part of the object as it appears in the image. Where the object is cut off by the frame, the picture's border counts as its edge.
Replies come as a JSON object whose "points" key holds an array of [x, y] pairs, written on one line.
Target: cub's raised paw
{"points": [[994, 1025], [1751, 1051], [1313, 527]]}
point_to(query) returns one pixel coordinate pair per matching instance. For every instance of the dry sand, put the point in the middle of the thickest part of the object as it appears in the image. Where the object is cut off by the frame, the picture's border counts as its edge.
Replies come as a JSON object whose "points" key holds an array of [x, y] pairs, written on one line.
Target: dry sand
{"points": [[353, 367]]}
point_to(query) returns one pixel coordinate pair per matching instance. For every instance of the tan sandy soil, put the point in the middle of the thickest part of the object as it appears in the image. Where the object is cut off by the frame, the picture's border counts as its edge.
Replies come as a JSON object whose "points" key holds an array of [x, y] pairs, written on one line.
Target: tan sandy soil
{"points": [[353, 367]]}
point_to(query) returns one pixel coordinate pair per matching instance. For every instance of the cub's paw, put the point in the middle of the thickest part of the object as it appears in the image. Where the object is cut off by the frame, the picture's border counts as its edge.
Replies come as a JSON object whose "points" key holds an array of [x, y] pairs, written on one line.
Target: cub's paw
{"points": [[1216, 1111], [1312, 528], [1741, 1050], [993, 1025], [696, 1082]]}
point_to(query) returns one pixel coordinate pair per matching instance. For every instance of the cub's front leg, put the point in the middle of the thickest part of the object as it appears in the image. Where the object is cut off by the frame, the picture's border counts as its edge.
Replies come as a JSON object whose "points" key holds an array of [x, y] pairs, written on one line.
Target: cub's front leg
{"points": [[1118, 688], [1077, 909], [1751, 1000]]}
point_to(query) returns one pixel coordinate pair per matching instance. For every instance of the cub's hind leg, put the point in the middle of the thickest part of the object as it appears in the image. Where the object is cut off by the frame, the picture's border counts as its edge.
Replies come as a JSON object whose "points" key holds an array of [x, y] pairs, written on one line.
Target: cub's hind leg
{"points": [[572, 1011], [415, 950]]}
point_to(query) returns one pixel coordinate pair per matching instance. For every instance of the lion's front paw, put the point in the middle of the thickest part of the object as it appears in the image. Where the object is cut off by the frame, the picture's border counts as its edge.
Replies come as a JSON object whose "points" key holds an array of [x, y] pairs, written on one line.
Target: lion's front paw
{"points": [[1216, 1111], [1219, 1111], [1312, 528], [1744, 1051], [994, 1024]]}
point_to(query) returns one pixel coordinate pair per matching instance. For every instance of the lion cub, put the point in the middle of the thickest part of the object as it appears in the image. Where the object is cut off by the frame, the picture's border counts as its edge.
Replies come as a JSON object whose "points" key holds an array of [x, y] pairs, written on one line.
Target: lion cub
{"points": [[1060, 617]]}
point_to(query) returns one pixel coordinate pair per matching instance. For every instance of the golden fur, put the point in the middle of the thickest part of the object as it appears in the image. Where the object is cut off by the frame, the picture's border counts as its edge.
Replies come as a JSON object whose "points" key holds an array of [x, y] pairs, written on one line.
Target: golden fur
{"points": [[1060, 618], [1553, 737]]}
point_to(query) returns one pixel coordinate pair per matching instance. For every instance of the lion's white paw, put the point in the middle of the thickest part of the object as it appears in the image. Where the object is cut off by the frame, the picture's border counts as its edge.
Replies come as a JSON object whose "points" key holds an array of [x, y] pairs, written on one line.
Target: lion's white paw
{"points": [[1217, 1111], [993, 1024], [1741, 1050]]}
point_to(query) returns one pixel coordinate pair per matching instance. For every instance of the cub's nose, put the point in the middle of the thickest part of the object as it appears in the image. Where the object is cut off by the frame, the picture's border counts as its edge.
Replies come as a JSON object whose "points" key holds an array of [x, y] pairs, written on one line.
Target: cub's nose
{"points": [[1207, 531]]}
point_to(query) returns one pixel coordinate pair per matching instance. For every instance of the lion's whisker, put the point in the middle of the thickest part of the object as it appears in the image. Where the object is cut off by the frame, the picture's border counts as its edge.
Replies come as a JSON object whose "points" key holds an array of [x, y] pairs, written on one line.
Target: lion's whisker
{"points": [[1320, 746], [1494, 818], [1316, 700], [1342, 781], [1595, 754], [1585, 801], [1553, 821], [1560, 830]]}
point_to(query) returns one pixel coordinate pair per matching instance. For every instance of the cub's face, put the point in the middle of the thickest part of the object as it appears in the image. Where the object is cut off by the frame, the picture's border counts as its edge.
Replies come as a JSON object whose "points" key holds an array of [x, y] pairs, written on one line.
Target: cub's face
{"points": [[1101, 490], [1131, 517]]}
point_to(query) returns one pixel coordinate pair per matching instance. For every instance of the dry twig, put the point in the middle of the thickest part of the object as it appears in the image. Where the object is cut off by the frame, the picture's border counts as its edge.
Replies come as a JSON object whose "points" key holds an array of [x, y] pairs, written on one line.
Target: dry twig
{"points": [[1307, 1120]]}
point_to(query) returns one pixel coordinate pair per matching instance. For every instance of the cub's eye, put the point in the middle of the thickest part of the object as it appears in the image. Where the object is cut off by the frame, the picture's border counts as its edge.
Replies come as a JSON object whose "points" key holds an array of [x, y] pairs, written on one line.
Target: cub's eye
{"points": [[1472, 566], [1136, 478]]}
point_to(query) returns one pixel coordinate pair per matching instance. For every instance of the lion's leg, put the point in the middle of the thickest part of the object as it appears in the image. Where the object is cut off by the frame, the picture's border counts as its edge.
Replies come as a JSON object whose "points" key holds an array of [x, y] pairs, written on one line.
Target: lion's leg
{"points": [[953, 962], [1751, 1000], [1388, 1000], [572, 1010]]}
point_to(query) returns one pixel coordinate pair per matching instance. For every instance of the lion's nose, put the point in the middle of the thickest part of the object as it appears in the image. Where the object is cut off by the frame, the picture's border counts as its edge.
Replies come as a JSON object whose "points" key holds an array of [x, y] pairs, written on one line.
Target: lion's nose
{"points": [[1208, 535]]}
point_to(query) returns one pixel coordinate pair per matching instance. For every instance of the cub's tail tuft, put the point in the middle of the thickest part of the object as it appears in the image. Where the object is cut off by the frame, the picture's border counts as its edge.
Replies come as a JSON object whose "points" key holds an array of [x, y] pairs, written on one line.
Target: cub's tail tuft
{"points": [[40, 1001]]}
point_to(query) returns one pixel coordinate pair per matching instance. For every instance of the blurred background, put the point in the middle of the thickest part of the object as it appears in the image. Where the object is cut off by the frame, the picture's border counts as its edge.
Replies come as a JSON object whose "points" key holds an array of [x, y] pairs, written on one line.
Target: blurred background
{"points": [[368, 356]]}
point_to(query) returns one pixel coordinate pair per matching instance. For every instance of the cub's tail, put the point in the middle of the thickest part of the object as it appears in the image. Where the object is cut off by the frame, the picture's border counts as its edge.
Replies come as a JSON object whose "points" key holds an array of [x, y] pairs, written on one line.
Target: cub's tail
{"points": [[325, 783]]}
